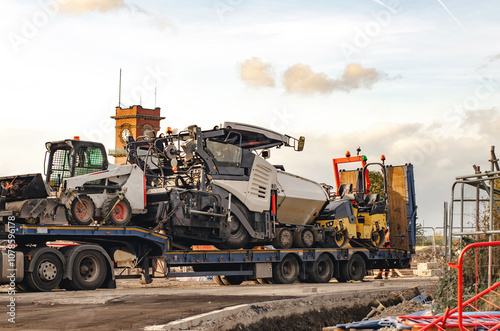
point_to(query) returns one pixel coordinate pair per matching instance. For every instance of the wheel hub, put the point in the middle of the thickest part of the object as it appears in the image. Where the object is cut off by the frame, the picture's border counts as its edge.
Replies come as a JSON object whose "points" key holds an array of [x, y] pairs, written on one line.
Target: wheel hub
{"points": [[81, 211], [287, 269], [286, 237], [308, 238], [119, 212], [88, 268], [47, 271], [233, 223]]}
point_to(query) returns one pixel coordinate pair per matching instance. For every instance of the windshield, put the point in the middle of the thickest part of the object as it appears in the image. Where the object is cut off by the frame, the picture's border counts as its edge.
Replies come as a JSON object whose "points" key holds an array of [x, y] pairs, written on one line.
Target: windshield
{"points": [[224, 155]]}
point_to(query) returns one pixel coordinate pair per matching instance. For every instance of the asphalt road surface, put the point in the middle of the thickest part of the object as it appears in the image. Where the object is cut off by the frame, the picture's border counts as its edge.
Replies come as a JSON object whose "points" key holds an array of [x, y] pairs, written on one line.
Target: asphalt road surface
{"points": [[135, 306]]}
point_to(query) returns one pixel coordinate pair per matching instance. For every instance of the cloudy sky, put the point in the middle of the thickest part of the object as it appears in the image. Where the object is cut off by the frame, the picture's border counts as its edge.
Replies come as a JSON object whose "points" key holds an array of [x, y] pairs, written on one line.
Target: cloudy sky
{"points": [[414, 80]]}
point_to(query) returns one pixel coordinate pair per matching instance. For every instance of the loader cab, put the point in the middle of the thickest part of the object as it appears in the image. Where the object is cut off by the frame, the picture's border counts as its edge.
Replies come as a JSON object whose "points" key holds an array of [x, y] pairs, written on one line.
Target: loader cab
{"points": [[69, 158], [230, 160], [233, 147]]}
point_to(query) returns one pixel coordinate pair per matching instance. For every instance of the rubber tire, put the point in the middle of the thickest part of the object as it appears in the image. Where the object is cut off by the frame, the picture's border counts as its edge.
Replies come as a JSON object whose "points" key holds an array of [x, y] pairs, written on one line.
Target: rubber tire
{"points": [[97, 274], [266, 281], [232, 280], [36, 282], [23, 286], [342, 275], [67, 284], [322, 270], [218, 280], [74, 208], [356, 267], [240, 236], [304, 238], [283, 239], [307, 279], [122, 207], [286, 271]]}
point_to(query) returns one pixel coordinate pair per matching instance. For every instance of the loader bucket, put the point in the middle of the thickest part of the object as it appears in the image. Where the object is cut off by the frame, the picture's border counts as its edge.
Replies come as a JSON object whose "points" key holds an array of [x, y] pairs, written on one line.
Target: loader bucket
{"points": [[23, 187]]}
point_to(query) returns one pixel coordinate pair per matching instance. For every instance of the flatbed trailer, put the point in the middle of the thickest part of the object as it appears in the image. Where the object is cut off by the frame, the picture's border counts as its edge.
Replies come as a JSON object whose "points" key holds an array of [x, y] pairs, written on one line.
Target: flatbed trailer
{"points": [[43, 257], [86, 257]]}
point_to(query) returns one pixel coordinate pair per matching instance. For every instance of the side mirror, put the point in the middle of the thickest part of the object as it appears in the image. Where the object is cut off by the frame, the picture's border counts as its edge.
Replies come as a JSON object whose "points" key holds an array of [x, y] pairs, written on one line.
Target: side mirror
{"points": [[265, 154], [300, 145]]}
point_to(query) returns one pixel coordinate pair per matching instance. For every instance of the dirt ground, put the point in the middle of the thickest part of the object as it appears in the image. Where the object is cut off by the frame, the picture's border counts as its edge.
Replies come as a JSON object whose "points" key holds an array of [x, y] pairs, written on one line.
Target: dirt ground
{"points": [[133, 306], [339, 312], [429, 254], [126, 313]]}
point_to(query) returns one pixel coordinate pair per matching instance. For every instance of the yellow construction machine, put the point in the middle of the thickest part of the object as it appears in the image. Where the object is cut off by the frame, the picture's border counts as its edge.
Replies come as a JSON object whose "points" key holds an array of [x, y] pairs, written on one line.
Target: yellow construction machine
{"points": [[358, 216]]}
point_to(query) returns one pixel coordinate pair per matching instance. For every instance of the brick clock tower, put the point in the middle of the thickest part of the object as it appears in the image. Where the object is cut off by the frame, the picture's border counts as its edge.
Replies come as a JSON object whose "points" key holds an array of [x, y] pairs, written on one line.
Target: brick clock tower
{"points": [[132, 122]]}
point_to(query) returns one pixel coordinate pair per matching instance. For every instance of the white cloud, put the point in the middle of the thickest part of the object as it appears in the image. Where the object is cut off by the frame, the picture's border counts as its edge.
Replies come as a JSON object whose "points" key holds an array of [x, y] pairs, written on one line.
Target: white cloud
{"points": [[256, 73], [302, 80], [82, 6]]}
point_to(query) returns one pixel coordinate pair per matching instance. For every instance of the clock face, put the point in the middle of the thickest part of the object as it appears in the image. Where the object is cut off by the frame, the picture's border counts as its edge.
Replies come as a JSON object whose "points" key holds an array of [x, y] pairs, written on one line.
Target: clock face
{"points": [[125, 134]]}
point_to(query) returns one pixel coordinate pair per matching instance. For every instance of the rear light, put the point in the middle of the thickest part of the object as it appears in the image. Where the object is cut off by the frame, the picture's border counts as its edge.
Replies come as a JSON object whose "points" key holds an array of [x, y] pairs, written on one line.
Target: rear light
{"points": [[273, 201]]}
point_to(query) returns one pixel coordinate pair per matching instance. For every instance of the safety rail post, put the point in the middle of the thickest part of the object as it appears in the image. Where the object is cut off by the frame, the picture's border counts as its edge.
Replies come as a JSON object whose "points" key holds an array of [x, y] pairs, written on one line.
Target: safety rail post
{"points": [[460, 303]]}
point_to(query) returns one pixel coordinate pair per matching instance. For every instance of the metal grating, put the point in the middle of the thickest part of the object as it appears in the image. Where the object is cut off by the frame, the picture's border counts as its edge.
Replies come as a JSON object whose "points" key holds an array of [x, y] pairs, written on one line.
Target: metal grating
{"points": [[61, 167], [88, 160]]}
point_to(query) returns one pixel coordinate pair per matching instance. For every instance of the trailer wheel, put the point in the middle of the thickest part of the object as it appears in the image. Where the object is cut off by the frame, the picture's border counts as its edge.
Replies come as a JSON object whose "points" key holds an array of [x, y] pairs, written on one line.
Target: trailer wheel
{"points": [[232, 280], [117, 211], [81, 209], [304, 238], [321, 270], [342, 273], [283, 239], [218, 280], [89, 271], [355, 268], [286, 271], [47, 273]]}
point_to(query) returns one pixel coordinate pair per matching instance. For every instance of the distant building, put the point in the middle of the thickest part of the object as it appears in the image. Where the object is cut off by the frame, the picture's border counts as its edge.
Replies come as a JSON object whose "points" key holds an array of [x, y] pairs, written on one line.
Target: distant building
{"points": [[133, 122]]}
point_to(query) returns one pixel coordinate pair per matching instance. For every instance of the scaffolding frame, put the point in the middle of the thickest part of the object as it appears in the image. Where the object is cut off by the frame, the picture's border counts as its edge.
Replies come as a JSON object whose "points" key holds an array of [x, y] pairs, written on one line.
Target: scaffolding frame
{"points": [[482, 182]]}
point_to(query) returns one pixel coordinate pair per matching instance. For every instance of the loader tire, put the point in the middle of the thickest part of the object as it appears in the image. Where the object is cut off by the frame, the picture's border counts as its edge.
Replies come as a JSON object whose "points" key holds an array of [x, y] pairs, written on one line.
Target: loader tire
{"points": [[304, 238], [238, 236], [118, 212], [283, 239], [81, 209]]}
